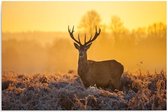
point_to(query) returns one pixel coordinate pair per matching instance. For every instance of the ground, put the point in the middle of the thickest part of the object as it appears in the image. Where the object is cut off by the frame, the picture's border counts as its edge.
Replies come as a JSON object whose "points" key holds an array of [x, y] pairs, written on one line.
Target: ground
{"points": [[56, 91]]}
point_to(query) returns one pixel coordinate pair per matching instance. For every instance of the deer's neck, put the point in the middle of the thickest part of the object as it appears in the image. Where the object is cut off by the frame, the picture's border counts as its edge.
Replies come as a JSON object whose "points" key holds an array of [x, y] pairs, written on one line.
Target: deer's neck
{"points": [[82, 65]]}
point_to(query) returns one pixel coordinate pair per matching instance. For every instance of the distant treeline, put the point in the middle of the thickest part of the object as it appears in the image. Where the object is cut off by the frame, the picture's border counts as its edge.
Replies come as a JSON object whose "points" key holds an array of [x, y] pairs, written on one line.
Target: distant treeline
{"points": [[142, 48]]}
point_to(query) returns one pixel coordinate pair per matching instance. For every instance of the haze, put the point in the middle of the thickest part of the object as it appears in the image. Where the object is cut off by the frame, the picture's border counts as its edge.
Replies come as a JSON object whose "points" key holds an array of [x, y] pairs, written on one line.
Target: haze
{"points": [[35, 36]]}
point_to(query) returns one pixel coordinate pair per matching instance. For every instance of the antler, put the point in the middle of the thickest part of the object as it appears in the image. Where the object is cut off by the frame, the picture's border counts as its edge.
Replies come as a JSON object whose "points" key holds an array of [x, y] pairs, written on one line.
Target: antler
{"points": [[71, 34], [85, 43], [92, 39]]}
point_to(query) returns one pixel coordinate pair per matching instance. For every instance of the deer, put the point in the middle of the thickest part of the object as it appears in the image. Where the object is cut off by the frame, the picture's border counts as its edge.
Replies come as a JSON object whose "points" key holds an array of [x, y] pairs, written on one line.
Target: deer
{"points": [[103, 74]]}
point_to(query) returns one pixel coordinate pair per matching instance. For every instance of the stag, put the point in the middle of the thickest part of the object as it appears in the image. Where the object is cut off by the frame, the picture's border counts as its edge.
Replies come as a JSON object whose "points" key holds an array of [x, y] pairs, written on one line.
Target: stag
{"points": [[103, 74]]}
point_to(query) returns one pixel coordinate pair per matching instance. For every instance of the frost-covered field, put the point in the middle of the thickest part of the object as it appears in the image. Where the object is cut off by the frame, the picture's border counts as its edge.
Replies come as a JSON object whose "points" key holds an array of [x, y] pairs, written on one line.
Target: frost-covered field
{"points": [[66, 92]]}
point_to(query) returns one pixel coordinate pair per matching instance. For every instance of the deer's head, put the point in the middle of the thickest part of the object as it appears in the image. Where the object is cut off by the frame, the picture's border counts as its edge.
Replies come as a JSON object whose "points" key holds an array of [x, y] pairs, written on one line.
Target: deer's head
{"points": [[82, 48]]}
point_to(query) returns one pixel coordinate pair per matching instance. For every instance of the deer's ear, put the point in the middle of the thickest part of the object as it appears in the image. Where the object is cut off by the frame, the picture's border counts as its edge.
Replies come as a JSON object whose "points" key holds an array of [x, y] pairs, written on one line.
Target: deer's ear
{"points": [[88, 46], [76, 46]]}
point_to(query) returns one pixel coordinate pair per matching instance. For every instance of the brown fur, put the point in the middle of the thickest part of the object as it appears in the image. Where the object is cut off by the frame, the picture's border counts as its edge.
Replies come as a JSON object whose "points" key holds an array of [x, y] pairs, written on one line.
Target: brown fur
{"points": [[103, 73]]}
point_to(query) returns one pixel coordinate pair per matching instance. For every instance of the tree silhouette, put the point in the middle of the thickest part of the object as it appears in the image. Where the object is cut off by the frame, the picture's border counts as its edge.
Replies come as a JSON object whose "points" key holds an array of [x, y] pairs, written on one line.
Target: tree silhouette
{"points": [[89, 21], [116, 25], [157, 30], [138, 34], [119, 32]]}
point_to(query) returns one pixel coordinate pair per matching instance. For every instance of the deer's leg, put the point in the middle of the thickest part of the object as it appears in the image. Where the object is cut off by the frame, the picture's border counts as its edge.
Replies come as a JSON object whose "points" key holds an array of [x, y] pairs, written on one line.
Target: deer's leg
{"points": [[117, 84]]}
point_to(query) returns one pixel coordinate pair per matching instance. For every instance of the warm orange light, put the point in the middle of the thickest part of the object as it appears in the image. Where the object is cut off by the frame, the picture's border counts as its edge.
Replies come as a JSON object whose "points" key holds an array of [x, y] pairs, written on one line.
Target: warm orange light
{"points": [[56, 16], [43, 43]]}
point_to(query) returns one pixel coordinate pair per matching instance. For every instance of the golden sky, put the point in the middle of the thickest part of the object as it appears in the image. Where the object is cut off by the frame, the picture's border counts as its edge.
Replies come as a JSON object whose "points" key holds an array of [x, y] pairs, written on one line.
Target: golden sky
{"points": [[56, 16]]}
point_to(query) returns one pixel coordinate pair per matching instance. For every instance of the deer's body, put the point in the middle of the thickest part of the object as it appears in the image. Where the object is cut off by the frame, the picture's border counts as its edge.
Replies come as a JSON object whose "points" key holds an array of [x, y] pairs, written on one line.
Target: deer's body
{"points": [[103, 73]]}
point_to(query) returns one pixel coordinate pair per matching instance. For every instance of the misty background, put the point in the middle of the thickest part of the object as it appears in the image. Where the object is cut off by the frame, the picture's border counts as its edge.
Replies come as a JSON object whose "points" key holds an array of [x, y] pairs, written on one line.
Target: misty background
{"points": [[143, 48]]}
